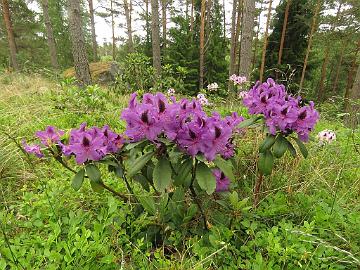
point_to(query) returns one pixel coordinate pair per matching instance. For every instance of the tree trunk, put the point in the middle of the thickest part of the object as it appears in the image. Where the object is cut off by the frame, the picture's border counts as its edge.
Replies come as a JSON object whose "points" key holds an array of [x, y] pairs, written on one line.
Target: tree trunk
{"points": [[113, 30], [10, 34], [127, 10], [232, 41], [321, 92], [257, 39], [49, 34], [354, 97], [192, 17], [265, 42], [312, 32], [93, 33], [202, 49], [347, 96], [238, 34], [336, 81], [247, 38], [147, 25], [155, 33], [163, 20], [224, 20], [283, 33], [81, 62]]}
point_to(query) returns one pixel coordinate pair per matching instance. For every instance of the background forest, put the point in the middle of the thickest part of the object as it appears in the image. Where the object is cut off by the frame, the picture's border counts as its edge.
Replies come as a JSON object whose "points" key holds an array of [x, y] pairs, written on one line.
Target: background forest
{"points": [[60, 66]]}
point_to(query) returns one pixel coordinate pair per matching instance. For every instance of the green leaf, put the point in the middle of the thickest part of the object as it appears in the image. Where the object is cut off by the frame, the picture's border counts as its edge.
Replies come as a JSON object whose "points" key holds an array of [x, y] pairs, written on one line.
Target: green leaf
{"points": [[205, 178], [234, 198], [225, 166], [143, 181], [78, 180], [266, 162], [267, 143], [148, 203], [291, 148], [162, 174], [93, 173], [192, 210], [139, 163], [280, 146], [248, 122], [183, 172], [302, 147]]}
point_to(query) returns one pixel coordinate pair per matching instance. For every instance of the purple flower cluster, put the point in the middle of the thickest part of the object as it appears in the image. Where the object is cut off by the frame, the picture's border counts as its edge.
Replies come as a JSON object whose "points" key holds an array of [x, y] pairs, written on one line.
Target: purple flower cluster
{"points": [[183, 122], [92, 143], [282, 112], [48, 137], [222, 182]]}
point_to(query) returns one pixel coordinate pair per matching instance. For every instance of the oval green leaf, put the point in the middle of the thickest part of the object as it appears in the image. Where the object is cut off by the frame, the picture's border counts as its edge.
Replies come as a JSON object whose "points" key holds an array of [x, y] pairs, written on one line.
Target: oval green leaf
{"points": [[225, 166], [267, 143], [205, 178], [78, 179], [302, 147], [280, 146], [139, 163], [162, 174], [266, 162], [183, 172]]}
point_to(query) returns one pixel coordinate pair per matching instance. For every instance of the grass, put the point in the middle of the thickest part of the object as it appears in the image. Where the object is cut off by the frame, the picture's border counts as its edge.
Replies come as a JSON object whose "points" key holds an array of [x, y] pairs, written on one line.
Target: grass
{"points": [[308, 216]]}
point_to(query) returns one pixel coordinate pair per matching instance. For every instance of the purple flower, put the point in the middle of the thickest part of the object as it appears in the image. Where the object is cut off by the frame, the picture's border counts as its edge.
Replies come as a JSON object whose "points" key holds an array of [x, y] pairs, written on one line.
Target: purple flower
{"points": [[222, 182], [49, 136], [33, 149], [282, 112], [92, 144], [184, 122]]}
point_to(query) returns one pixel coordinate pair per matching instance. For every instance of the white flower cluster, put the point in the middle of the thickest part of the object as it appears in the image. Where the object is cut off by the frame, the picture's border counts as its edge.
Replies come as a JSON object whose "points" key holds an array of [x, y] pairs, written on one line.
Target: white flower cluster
{"points": [[243, 94], [171, 91], [326, 136], [202, 99], [237, 79], [212, 86]]}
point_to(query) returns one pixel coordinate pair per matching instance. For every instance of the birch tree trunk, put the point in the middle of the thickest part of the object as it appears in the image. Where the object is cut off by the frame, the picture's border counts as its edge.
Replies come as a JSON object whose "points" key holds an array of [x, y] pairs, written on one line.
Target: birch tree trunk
{"points": [[127, 10], [312, 32], [247, 38], [49, 34], [155, 33], [10, 34], [202, 41], [93, 32], [265, 42], [81, 63]]}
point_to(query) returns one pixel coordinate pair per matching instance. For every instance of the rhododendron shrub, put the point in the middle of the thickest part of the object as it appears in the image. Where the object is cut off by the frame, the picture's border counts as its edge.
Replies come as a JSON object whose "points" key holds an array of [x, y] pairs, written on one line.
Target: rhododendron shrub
{"points": [[285, 117], [167, 145], [174, 150]]}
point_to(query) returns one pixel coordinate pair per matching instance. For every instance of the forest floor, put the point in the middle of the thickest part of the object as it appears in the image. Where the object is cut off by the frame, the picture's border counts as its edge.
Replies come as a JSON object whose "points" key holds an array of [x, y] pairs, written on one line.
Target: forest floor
{"points": [[308, 216]]}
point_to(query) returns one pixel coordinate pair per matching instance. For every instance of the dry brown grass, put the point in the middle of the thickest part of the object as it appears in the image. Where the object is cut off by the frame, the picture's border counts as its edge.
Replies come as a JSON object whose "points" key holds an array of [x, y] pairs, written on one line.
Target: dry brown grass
{"points": [[96, 69]]}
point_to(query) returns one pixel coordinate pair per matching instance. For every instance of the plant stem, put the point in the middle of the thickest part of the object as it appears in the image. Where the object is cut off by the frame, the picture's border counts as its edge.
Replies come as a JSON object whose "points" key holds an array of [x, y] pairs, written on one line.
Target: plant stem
{"points": [[196, 199], [258, 183]]}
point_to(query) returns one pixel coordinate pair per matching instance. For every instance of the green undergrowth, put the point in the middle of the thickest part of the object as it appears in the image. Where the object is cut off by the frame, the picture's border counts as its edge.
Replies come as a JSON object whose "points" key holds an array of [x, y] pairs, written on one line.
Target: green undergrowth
{"points": [[308, 216]]}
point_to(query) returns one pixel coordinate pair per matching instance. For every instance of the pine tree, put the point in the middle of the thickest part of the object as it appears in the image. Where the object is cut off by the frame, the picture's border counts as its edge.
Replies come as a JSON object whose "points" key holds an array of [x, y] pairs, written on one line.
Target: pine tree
{"points": [[155, 33], [50, 34], [81, 62], [265, 42], [247, 38], [10, 33], [93, 32]]}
